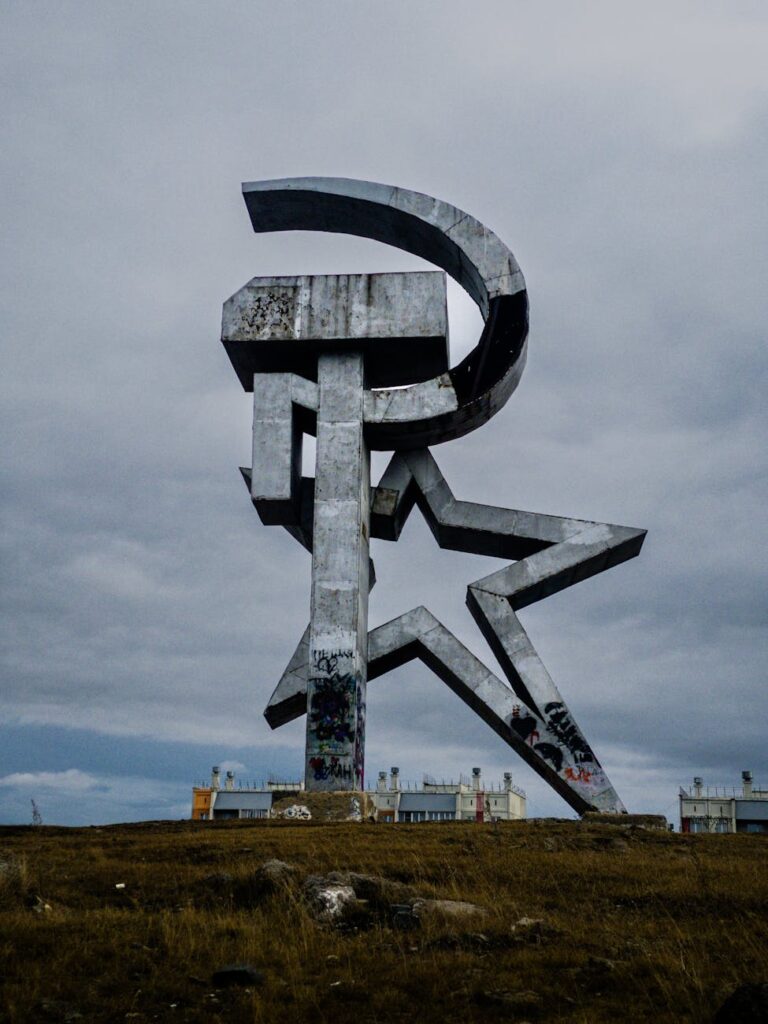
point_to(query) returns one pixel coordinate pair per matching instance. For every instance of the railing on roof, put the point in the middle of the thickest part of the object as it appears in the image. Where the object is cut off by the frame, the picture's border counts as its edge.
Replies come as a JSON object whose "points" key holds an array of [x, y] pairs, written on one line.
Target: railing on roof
{"points": [[724, 792]]}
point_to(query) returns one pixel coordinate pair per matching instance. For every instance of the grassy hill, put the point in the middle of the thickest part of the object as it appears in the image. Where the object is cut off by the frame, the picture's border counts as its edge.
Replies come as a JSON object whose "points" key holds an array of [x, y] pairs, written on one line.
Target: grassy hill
{"points": [[583, 922]]}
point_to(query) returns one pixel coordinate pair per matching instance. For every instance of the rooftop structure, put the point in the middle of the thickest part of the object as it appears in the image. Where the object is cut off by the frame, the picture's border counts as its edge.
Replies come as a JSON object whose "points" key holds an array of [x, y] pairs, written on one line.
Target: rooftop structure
{"points": [[718, 809], [465, 800], [469, 799]]}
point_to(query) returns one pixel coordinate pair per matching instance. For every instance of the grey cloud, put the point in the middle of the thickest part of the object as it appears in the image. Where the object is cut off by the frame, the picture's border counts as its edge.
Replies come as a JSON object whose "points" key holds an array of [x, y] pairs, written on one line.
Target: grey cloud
{"points": [[621, 154]]}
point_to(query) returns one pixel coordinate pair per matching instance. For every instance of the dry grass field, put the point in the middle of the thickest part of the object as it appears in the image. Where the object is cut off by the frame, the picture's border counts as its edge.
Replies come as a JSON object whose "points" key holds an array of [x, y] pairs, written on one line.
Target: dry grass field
{"points": [[623, 924]]}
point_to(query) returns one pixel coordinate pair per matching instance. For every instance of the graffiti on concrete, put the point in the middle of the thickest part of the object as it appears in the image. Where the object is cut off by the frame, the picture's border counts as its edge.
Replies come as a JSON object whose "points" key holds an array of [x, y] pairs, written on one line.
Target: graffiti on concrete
{"points": [[359, 757], [525, 727], [324, 768], [561, 725], [331, 704], [550, 753]]}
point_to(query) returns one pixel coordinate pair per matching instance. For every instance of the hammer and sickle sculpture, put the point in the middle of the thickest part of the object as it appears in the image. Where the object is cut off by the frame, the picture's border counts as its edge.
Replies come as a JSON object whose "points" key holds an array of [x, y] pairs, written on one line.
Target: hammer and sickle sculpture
{"points": [[361, 361]]}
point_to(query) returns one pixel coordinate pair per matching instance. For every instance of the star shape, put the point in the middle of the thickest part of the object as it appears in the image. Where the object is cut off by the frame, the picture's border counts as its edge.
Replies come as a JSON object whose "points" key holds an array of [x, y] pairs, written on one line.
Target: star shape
{"points": [[549, 554]]}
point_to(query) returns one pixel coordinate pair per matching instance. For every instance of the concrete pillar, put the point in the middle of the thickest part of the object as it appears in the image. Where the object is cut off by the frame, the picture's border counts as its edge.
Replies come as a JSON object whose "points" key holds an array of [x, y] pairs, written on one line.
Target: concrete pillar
{"points": [[338, 642], [215, 778], [746, 779]]}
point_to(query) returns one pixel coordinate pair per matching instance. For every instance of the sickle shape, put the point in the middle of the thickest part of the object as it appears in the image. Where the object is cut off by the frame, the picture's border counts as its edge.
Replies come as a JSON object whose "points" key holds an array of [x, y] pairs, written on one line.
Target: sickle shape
{"points": [[465, 397]]}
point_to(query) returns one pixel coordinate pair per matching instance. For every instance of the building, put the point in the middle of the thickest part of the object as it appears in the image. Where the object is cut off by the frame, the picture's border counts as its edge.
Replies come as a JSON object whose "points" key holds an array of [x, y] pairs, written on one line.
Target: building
{"points": [[723, 810], [465, 800], [212, 803]]}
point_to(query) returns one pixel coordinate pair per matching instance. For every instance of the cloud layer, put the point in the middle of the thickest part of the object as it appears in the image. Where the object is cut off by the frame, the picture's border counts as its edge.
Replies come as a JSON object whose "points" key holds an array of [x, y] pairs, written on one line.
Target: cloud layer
{"points": [[620, 152]]}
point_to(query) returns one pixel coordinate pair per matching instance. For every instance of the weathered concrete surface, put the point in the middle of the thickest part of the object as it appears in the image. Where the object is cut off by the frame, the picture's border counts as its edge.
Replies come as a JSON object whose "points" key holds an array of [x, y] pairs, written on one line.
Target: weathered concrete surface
{"points": [[277, 437], [553, 553], [450, 404], [338, 639], [344, 805], [400, 322], [281, 333], [418, 634]]}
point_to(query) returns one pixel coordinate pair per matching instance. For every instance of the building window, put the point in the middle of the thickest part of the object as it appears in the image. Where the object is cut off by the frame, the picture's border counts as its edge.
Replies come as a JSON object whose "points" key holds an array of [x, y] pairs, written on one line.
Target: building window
{"points": [[253, 812]]}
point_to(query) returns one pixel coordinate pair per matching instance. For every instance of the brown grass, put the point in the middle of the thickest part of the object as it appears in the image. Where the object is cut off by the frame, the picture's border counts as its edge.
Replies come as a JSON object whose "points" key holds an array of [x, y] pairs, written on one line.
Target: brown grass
{"points": [[681, 919]]}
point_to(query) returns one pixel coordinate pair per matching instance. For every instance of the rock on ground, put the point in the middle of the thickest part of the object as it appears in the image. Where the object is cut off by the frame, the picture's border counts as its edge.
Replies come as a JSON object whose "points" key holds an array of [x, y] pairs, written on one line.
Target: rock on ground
{"points": [[330, 902], [380, 892], [446, 910], [243, 975], [747, 1005]]}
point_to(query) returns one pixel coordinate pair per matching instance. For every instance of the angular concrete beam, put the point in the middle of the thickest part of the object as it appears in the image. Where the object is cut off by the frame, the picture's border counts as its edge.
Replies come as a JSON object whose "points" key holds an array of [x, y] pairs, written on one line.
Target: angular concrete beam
{"points": [[281, 324], [302, 531], [338, 640], [418, 634], [553, 552], [281, 404]]}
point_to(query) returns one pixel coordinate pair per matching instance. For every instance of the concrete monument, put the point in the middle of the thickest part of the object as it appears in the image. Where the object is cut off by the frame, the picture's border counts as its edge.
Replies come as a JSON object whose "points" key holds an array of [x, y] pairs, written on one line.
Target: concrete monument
{"points": [[361, 361]]}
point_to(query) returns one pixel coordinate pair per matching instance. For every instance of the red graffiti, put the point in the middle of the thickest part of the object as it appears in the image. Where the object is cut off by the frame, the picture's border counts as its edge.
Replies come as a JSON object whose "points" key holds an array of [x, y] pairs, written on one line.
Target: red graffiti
{"points": [[578, 775]]}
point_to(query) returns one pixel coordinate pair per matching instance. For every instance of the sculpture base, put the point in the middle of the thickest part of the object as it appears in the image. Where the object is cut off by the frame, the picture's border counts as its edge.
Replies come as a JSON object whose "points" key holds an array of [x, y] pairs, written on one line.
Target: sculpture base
{"points": [[636, 820], [350, 805]]}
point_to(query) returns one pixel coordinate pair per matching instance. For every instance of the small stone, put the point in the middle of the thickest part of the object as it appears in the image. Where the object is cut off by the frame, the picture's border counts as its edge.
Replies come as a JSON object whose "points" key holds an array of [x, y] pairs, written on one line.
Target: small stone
{"points": [[528, 1003], [348, 991], [237, 974], [217, 886], [379, 891], [601, 963], [533, 930], [278, 872], [403, 917], [271, 878], [55, 1010], [748, 1004], [332, 902], [447, 909]]}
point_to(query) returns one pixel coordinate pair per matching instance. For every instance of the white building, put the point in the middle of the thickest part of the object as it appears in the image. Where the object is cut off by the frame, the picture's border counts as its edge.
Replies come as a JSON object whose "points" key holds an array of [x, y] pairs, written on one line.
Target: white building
{"points": [[465, 800], [717, 809]]}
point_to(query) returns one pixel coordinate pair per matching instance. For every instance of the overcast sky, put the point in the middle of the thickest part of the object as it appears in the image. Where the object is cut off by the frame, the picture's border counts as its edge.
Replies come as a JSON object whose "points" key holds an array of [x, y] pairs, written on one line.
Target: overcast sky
{"points": [[619, 149]]}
